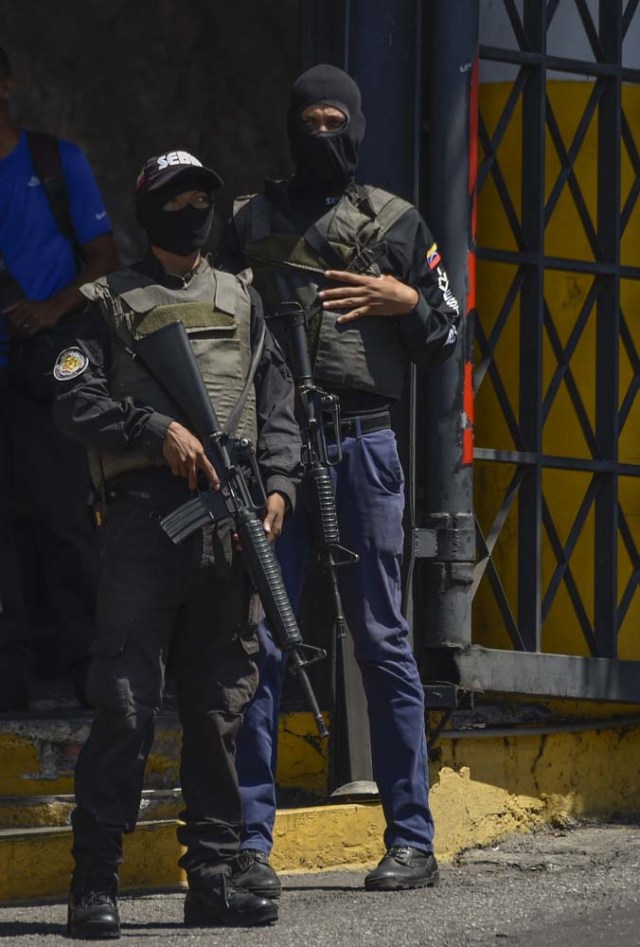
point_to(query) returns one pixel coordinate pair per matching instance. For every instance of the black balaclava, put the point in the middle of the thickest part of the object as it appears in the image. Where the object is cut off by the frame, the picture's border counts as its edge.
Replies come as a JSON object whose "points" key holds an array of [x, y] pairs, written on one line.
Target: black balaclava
{"points": [[178, 231], [325, 161]]}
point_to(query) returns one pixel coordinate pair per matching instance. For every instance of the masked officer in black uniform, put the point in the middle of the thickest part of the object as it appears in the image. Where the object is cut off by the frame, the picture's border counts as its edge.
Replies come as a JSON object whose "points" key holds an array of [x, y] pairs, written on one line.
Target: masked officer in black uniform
{"points": [[195, 597], [301, 237]]}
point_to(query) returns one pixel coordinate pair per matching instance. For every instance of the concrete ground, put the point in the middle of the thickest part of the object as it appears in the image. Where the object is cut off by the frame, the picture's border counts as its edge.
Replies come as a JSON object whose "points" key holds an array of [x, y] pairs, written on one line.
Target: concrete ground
{"points": [[573, 887]]}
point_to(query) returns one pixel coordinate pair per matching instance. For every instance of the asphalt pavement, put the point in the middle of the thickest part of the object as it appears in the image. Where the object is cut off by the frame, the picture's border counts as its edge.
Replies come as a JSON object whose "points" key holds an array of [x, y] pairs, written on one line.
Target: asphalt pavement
{"points": [[571, 887]]}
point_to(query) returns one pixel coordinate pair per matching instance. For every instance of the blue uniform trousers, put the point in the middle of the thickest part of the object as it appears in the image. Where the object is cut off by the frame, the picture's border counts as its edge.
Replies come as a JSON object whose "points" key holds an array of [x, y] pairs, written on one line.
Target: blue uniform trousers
{"points": [[369, 487]]}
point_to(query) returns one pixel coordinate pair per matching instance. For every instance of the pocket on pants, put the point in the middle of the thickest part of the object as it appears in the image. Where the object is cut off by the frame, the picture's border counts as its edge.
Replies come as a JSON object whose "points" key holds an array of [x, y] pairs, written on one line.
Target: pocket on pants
{"points": [[128, 533], [249, 633]]}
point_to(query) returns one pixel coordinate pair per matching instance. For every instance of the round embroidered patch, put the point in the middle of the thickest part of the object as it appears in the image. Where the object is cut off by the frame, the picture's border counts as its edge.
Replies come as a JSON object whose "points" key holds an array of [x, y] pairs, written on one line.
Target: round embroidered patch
{"points": [[70, 364]]}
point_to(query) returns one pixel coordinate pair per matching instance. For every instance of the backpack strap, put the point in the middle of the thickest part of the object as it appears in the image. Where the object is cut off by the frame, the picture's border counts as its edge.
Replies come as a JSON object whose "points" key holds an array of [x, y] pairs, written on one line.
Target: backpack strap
{"points": [[388, 208], [45, 155]]}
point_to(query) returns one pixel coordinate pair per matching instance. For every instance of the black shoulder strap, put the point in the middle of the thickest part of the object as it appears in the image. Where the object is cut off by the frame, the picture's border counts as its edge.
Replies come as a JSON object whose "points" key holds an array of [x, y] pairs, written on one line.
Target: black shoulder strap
{"points": [[45, 154], [280, 197]]}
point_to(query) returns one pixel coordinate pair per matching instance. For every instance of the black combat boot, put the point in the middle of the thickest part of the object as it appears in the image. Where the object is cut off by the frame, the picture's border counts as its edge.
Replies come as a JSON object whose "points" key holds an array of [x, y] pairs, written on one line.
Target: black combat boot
{"points": [[93, 908], [251, 870], [215, 902], [404, 867]]}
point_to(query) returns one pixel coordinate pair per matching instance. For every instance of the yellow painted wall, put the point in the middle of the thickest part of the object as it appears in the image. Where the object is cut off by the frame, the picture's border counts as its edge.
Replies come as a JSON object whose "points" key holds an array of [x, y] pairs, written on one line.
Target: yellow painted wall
{"points": [[565, 293], [481, 790]]}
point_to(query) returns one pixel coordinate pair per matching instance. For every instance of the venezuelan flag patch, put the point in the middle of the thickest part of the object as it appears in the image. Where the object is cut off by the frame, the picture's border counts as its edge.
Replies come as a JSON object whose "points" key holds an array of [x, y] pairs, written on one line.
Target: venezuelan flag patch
{"points": [[433, 256]]}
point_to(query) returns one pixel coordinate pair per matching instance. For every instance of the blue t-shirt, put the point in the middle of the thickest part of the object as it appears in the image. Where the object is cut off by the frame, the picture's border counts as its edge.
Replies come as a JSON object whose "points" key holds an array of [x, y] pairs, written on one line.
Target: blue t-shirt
{"points": [[33, 249]]}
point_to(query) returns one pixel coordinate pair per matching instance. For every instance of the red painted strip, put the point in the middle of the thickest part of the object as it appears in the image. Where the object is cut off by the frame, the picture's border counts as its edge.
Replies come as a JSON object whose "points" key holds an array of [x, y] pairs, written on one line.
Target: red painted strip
{"points": [[471, 273], [468, 408], [467, 446], [467, 396]]}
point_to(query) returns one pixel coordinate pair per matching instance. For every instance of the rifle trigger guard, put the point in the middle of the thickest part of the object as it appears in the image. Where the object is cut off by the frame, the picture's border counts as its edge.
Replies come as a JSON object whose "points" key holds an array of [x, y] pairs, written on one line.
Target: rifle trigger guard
{"points": [[245, 451], [310, 654], [343, 556]]}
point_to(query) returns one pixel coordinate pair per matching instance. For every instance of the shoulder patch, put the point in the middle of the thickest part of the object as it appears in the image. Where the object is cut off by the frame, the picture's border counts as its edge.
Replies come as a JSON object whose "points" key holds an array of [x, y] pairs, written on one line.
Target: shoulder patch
{"points": [[69, 364]]}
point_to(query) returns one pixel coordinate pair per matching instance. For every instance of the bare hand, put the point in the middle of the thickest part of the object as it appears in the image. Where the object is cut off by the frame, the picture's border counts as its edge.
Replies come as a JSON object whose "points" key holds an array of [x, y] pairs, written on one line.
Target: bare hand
{"points": [[29, 317], [368, 295], [185, 455], [274, 518]]}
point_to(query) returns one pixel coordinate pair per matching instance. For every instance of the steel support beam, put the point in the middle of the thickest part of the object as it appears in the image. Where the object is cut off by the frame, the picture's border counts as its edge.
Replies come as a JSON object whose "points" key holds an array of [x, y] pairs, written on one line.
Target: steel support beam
{"points": [[547, 675], [443, 619], [605, 577], [531, 332]]}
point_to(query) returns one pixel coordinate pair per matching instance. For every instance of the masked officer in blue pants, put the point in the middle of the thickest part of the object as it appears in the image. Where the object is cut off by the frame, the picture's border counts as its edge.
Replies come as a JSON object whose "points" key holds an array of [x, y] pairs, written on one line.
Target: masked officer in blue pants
{"points": [[300, 238]]}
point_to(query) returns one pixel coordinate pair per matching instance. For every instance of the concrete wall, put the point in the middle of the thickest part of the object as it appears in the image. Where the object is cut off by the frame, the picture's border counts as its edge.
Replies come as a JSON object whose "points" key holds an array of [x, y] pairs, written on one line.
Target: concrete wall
{"points": [[127, 79]]}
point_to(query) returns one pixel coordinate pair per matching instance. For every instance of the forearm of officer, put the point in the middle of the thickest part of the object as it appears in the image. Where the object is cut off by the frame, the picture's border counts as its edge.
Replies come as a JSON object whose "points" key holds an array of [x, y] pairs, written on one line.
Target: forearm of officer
{"points": [[88, 414], [83, 408], [429, 331], [279, 445]]}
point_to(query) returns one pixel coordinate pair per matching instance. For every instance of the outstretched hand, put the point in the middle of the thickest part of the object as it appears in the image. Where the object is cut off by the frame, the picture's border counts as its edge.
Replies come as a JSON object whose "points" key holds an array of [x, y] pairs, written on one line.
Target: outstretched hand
{"points": [[364, 295]]}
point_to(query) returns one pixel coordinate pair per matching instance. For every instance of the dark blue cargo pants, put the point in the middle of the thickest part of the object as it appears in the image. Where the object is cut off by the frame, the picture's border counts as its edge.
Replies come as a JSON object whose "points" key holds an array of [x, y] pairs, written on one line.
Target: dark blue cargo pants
{"points": [[369, 489]]}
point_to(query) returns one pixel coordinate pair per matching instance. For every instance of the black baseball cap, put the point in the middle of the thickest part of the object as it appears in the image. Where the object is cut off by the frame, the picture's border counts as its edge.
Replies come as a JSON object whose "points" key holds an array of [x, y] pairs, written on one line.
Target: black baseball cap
{"points": [[160, 170]]}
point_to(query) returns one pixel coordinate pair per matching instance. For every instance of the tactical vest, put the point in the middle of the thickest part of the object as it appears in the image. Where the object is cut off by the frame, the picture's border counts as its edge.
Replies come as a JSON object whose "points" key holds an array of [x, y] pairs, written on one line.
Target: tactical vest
{"points": [[366, 354], [215, 310]]}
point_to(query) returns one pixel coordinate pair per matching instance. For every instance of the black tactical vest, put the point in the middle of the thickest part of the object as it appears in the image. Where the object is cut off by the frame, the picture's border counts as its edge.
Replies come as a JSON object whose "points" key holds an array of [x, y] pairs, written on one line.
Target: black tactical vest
{"points": [[214, 308], [364, 355]]}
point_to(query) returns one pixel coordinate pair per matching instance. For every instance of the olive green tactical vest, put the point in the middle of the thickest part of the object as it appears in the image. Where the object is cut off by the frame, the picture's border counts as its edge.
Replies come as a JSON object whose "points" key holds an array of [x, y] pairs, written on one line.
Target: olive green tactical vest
{"points": [[366, 354], [215, 310]]}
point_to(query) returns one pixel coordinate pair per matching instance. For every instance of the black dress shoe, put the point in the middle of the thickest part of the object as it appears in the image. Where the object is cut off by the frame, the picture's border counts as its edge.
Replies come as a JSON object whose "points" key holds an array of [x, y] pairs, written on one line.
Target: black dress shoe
{"points": [[404, 867], [93, 909], [251, 870], [216, 902]]}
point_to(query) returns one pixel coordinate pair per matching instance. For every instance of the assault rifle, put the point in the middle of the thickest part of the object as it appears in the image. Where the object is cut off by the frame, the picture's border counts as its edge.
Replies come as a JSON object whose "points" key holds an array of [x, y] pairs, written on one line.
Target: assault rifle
{"points": [[321, 423], [349, 752], [168, 355]]}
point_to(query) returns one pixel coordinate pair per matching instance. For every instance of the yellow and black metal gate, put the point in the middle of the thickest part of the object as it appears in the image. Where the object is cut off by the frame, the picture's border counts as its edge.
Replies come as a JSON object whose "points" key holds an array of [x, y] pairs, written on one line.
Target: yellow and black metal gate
{"points": [[557, 372], [525, 549]]}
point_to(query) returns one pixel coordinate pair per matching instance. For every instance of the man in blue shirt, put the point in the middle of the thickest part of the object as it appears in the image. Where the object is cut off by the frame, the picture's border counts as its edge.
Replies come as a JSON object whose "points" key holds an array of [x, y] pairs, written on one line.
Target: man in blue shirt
{"points": [[39, 280]]}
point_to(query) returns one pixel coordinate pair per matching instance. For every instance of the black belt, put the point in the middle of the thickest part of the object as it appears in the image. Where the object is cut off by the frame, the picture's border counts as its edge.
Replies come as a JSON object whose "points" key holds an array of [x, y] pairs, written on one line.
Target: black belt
{"points": [[365, 424], [148, 484]]}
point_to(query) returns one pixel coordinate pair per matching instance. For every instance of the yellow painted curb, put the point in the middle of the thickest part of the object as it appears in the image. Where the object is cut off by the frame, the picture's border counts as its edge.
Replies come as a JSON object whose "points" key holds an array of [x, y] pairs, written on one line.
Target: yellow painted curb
{"points": [[38, 864], [482, 790]]}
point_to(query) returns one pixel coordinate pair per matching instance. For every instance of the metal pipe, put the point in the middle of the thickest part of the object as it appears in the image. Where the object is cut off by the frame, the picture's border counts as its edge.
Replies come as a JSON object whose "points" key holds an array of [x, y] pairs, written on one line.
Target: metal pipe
{"points": [[581, 726], [451, 76]]}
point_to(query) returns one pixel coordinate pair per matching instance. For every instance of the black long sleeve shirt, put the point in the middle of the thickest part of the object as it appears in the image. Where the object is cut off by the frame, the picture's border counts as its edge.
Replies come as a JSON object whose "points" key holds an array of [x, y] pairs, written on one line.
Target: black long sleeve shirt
{"points": [[429, 332], [85, 410]]}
